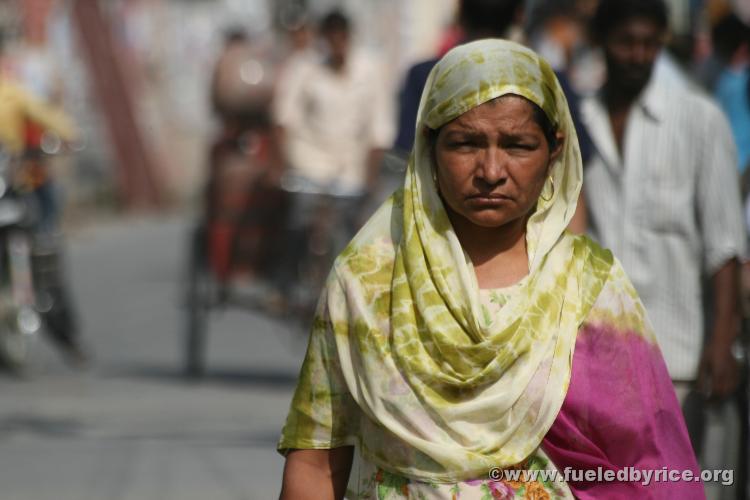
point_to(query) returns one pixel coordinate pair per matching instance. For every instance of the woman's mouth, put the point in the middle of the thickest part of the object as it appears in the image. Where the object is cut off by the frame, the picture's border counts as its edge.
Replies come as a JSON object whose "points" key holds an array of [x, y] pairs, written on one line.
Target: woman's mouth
{"points": [[488, 200]]}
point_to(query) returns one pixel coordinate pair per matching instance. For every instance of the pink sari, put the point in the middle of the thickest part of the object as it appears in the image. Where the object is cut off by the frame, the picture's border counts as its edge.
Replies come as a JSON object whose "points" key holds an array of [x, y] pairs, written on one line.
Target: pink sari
{"points": [[614, 425]]}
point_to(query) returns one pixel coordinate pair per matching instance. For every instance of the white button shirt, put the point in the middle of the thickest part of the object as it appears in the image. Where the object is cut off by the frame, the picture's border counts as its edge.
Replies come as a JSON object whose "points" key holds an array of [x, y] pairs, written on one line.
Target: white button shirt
{"points": [[333, 120], [669, 208]]}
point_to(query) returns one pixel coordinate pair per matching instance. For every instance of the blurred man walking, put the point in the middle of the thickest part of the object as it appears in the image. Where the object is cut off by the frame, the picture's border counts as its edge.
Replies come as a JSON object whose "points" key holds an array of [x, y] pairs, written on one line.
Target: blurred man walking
{"points": [[333, 116], [662, 192]]}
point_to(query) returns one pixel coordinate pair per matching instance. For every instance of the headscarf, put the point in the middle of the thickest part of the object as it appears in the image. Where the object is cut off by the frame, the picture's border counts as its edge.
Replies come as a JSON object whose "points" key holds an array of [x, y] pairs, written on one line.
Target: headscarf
{"points": [[444, 398]]}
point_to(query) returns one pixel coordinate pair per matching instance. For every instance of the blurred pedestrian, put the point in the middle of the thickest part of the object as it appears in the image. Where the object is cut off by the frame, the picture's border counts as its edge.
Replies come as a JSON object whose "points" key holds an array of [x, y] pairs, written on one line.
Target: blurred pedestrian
{"points": [[18, 106], [38, 72], [244, 208], [731, 39], [19, 109], [557, 32], [240, 89], [478, 19], [662, 191], [333, 117]]}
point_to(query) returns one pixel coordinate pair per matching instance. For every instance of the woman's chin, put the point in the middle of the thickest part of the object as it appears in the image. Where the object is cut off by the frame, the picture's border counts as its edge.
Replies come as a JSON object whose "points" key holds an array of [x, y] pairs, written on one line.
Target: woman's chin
{"points": [[486, 218], [490, 219]]}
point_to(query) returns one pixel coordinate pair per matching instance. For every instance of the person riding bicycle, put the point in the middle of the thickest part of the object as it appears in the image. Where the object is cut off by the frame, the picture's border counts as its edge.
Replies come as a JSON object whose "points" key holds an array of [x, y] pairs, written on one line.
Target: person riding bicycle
{"points": [[20, 109], [333, 121], [242, 204]]}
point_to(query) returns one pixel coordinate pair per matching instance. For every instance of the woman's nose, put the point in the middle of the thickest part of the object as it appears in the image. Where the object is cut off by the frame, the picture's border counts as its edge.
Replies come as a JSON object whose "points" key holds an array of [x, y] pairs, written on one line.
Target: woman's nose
{"points": [[492, 168]]}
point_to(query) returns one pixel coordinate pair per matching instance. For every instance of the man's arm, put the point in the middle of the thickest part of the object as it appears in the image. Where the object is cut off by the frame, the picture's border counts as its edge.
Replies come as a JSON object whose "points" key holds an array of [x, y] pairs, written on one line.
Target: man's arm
{"points": [[374, 161], [579, 222], [723, 236], [317, 474], [50, 117], [718, 372]]}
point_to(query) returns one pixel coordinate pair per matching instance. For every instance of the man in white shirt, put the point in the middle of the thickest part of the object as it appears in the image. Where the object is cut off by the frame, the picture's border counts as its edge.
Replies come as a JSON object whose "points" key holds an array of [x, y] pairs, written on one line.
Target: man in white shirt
{"points": [[662, 192], [333, 116], [334, 113]]}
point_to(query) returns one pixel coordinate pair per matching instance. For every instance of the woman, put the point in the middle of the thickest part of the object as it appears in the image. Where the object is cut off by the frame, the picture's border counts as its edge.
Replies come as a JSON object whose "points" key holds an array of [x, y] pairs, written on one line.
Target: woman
{"points": [[464, 330]]}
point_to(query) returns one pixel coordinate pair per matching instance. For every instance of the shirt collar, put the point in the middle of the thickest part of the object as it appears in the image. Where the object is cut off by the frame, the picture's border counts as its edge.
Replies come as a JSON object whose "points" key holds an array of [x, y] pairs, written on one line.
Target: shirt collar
{"points": [[652, 100]]}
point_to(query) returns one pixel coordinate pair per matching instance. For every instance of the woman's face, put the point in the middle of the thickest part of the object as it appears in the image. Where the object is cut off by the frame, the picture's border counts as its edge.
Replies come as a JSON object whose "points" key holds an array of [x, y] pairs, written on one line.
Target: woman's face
{"points": [[492, 162]]}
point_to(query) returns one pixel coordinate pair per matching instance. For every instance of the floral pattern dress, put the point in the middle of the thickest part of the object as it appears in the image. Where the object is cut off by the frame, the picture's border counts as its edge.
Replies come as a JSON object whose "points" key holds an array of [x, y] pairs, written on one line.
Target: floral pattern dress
{"points": [[368, 482]]}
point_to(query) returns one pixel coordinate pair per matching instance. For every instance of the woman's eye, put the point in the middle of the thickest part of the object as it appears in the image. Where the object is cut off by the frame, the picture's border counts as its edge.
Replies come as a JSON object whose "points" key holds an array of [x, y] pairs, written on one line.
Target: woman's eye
{"points": [[462, 144], [521, 146]]}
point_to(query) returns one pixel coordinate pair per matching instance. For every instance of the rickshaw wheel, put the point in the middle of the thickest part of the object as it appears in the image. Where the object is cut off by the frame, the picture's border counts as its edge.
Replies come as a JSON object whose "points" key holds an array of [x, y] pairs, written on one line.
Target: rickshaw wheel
{"points": [[198, 304]]}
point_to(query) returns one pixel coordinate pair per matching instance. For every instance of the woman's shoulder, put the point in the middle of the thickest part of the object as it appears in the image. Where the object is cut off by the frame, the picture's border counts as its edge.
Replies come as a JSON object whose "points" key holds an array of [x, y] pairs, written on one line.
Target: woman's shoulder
{"points": [[601, 261], [592, 250], [617, 305], [611, 299]]}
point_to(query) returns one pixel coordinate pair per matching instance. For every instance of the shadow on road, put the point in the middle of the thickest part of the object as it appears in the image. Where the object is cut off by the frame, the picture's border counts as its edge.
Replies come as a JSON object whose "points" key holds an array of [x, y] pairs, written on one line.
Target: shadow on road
{"points": [[69, 428], [240, 376], [50, 427]]}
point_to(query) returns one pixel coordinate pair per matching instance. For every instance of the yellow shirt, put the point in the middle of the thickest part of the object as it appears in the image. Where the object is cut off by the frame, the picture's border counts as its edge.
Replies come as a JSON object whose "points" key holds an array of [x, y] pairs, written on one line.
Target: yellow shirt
{"points": [[17, 106]]}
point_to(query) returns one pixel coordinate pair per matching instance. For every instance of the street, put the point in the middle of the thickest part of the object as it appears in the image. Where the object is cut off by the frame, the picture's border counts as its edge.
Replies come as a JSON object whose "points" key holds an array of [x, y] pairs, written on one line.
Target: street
{"points": [[131, 427]]}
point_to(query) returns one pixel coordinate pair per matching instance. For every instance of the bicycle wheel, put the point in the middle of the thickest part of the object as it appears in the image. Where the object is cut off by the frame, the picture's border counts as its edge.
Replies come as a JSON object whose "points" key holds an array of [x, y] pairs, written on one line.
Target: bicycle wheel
{"points": [[19, 321], [18, 329]]}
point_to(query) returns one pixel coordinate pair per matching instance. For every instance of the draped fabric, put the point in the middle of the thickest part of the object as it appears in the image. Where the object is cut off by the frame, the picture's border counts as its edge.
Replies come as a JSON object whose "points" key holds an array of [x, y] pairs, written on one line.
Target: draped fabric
{"points": [[620, 417]]}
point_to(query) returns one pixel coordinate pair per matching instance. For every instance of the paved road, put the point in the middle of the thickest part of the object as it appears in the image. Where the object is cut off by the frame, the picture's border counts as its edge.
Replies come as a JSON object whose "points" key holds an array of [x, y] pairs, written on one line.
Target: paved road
{"points": [[131, 427]]}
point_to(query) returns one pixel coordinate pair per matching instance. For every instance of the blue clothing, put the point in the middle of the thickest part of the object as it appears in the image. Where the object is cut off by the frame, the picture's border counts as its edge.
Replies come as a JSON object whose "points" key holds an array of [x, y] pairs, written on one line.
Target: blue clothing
{"points": [[411, 92], [408, 102], [732, 90]]}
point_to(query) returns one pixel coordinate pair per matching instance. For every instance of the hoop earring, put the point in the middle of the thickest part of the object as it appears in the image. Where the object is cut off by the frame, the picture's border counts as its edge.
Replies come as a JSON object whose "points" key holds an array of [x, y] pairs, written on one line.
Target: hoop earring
{"points": [[552, 181]]}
